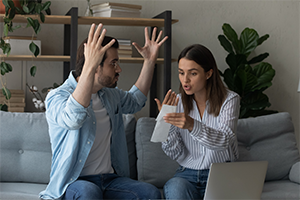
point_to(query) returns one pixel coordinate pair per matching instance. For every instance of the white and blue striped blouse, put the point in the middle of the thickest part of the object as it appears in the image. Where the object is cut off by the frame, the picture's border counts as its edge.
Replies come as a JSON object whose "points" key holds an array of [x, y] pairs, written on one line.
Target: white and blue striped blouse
{"points": [[212, 140]]}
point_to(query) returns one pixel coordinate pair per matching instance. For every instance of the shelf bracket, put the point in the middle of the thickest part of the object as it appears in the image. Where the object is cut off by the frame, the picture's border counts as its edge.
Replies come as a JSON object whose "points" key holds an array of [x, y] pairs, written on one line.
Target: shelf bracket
{"points": [[167, 16], [70, 41]]}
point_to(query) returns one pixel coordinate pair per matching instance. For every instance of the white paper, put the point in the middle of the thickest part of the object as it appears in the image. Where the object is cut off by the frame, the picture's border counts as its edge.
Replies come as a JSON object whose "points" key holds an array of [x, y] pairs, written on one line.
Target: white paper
{"points": [[161, 130]]}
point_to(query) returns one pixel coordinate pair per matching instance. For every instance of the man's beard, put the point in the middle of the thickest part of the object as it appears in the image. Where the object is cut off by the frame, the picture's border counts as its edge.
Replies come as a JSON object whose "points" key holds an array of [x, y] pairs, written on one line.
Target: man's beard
{"points": [[108, 81]]}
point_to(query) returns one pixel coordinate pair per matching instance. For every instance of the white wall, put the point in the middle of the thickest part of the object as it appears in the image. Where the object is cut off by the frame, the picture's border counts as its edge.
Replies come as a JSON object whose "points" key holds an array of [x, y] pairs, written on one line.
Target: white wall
{"points": [[199, 22]]}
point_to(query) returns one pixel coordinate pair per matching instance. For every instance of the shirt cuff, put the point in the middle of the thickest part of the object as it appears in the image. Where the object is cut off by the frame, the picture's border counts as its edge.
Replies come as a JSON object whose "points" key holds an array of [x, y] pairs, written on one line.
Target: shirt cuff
{"points": [[139, 96]]}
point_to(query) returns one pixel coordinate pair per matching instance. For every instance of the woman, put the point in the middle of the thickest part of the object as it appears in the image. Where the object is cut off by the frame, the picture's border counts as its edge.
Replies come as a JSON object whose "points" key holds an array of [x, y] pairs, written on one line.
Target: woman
{"points": [[203, 128]]}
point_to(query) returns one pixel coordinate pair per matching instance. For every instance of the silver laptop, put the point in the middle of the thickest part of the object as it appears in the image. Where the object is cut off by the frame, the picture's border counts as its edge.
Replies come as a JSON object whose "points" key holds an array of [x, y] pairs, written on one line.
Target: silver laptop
{"points": [[236, 180]]}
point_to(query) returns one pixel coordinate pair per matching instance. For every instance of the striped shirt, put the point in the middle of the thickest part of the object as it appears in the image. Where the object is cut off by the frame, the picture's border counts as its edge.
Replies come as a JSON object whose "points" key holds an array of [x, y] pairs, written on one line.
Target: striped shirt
{"points": [[212, 139]]}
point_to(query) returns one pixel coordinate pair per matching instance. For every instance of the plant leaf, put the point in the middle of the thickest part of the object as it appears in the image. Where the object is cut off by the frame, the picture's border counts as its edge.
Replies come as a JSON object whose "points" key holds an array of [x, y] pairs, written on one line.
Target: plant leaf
{"points": [[48, 11], [9, 67], [46, 5], [258, 58], [235, 60], [3, 107], [3, 70], [38, 8], [230, 33], [262, 39], [257, 101], [248, 39], [5, 3], [5, 30], [6, 93], [26, 9], [30, 21], [265, 74], [32, 47], [33, 71], [42, 17], [225, 43], [228, 79]]}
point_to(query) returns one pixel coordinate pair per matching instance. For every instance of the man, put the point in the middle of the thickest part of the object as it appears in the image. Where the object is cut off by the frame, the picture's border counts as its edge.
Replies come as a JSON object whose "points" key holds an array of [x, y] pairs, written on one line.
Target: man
{"points": [[89, 155]]}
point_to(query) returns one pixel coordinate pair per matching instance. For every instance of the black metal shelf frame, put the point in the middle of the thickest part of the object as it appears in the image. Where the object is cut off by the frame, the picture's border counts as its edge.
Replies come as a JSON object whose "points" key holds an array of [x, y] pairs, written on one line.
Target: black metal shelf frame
{"points": [[70, 49]]}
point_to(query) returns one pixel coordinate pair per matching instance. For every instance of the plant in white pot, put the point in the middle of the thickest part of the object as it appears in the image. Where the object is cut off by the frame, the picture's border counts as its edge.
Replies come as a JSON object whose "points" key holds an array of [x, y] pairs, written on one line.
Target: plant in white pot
{"points": [[28, 7]]}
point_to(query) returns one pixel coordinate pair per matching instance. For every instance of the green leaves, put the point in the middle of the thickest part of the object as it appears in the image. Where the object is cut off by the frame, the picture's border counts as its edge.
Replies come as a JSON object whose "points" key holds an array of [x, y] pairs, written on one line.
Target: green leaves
{"points": [[246, 80], [6, 93], [34, 23], [33, 71], [34, 49], [3, 107], [5, 68]]}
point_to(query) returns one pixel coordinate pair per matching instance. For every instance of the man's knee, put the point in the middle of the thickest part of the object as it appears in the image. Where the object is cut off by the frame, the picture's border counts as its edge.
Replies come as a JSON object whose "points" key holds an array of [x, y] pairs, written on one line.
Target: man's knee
{"points": [[178, 187], [83, 190]]}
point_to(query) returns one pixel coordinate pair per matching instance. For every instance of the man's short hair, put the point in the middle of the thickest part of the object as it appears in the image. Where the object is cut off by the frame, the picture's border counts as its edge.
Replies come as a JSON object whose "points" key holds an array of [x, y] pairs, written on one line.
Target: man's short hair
{"points": [[80, 53]]}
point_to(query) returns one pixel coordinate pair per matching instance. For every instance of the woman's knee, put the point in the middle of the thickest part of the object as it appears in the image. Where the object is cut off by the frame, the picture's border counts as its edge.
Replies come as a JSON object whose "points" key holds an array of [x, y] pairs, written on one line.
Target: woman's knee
{"points": [[179, 188]]}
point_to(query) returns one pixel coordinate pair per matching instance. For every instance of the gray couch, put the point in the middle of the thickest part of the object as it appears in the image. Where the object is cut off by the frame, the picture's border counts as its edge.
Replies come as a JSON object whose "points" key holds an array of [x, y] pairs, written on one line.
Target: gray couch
{"points": [[25, 154]]}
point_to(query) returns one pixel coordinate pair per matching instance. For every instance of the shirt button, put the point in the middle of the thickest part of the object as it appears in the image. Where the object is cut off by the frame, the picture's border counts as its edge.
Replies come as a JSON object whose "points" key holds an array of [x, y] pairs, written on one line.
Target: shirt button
{"points": [[89, 142], [71, 179], [21, 151], [94, 122], [79, 160]]}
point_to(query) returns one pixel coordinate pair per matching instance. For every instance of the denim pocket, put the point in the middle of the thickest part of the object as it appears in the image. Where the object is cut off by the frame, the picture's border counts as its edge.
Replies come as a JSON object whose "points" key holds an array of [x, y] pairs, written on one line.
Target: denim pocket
{"points": [[180, 169]]}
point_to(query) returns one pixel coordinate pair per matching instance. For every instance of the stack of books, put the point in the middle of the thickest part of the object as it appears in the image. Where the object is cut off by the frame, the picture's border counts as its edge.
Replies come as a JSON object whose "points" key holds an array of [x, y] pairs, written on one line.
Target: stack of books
{"points": [[110, 9], [125, 48], [16, 102]]}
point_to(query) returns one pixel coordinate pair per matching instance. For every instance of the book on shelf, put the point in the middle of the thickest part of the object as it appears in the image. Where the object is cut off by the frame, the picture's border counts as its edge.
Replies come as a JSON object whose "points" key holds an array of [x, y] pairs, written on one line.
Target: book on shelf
{"points": [[16, 109], [16, 101], [117, 13], [125, 47], [124, 52], [110, 9], [115, 5], [125, 42]]}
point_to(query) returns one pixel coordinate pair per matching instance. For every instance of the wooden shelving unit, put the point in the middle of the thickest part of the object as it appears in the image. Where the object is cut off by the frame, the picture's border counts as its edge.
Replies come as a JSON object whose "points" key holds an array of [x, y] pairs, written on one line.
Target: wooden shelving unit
{"points": [[71, 21]]}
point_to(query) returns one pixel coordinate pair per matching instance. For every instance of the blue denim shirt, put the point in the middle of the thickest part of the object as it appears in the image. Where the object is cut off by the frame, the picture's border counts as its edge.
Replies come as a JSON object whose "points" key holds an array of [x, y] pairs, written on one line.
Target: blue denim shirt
{"points": [[72, 132]]}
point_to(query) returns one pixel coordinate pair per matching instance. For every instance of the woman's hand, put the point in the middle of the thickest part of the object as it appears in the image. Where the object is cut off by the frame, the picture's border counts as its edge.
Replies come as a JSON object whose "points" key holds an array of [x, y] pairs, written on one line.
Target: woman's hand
{"points": [[170, 99], [180, 120]]}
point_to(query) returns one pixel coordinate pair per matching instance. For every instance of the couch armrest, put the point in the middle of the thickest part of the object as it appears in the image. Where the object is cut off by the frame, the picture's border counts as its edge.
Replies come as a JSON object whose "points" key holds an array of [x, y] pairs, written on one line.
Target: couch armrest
{"points": [[295, 173]]}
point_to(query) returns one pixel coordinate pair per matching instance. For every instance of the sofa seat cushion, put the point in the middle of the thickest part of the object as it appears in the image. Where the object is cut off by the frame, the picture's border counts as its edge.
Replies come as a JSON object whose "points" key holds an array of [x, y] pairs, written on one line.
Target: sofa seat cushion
{"points": [[20, 191], [153, 165], [25, 150], [270, 138], [283, 190]]}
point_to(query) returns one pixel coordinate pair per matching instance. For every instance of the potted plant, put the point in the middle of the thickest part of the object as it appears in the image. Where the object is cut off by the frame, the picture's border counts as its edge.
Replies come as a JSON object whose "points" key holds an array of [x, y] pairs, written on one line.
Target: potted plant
{"points": [[33, 7], [249, 77]]}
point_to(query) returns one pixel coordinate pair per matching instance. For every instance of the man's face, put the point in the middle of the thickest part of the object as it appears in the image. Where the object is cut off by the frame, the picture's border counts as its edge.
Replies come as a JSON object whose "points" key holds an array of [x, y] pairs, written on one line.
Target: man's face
{"points": [[108, 74]]}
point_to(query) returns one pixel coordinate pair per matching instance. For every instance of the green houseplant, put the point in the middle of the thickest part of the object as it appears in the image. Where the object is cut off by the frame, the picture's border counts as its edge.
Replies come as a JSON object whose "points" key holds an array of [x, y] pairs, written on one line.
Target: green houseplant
{"points": [[33, 7], [247, 77]]}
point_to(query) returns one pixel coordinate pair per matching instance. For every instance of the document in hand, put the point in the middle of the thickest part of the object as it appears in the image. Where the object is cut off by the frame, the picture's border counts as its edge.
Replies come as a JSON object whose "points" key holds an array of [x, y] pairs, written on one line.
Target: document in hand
{"points": [[161, 129]]}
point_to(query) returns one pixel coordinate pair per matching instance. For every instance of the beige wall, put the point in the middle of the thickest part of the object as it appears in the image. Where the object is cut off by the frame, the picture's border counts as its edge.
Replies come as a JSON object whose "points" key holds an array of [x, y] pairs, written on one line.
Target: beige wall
{"points": [[199, 22]]}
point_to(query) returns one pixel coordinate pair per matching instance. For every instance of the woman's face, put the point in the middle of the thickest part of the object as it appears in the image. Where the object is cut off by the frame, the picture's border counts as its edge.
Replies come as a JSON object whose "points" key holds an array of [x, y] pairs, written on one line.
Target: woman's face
{"points": [[192, 77]]}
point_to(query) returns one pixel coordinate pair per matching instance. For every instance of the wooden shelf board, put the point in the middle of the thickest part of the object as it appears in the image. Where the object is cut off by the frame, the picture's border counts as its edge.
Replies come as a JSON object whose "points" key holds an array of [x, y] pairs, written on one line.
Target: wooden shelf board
{"points": [[67, 58], [38, 58], [116, 21]]}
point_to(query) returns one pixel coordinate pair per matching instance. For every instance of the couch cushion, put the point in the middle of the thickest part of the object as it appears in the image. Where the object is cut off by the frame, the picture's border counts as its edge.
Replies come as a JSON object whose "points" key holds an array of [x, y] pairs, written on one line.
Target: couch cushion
{"points": [[271, 138], [21, 191], [129, 126], [153, 165], [280, 190], [25, 151]]}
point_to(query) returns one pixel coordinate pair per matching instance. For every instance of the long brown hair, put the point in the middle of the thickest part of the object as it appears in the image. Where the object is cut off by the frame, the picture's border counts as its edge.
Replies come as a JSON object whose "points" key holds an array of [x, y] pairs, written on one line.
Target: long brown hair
{"points": [[216, 91]]}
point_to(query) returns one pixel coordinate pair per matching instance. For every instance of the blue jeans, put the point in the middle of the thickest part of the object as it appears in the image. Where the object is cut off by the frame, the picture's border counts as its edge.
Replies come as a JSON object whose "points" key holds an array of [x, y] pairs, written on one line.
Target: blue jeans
{"points": [[110, 186], [186, 184]]}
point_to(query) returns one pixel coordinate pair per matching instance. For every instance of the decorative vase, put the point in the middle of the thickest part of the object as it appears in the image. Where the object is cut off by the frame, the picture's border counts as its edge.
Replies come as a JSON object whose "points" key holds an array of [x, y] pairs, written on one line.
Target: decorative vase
{"points": [[88, 11], [2, 7]]}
